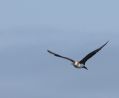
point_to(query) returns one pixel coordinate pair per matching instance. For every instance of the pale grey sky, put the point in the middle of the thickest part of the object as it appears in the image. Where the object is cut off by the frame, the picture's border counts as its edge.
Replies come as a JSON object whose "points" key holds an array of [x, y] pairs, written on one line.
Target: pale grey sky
{"points": [[69, 27]]}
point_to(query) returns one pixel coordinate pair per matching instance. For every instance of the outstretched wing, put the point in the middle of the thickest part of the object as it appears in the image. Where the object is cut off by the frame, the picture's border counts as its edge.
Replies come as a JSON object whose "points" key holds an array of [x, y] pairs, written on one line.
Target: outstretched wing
{"points": [[57, 55], [83, 61]]}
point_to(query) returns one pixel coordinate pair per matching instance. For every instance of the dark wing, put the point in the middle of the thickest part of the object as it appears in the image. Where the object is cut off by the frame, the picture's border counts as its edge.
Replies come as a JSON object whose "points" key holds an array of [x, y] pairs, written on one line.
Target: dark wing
{"points": [[57, 55], [83, 61]]}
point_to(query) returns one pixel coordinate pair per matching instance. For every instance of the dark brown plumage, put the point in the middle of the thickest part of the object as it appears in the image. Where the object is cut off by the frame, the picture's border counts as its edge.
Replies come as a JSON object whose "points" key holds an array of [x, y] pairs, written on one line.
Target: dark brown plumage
{"points": [[60, 56], [81, 63], [91, 54]]}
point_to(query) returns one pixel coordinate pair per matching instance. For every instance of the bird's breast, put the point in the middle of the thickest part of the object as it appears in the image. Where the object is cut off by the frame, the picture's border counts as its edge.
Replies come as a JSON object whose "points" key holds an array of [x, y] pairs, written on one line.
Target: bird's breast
{"points": [[77, 64]]}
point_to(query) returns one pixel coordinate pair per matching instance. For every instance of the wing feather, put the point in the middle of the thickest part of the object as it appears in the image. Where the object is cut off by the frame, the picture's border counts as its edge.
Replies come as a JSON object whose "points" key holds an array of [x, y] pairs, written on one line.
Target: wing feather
{"points": [[88, 56], [57, 55]]}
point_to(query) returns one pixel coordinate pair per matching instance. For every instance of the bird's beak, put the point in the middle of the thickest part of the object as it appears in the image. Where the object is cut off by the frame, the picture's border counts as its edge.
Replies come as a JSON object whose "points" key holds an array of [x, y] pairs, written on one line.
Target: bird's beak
{"points": [[85, 67]]}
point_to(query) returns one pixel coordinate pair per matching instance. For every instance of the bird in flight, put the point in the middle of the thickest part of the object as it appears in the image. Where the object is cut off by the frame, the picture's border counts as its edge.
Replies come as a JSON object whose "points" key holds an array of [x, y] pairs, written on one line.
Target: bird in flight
{"points": [[81, 63]]}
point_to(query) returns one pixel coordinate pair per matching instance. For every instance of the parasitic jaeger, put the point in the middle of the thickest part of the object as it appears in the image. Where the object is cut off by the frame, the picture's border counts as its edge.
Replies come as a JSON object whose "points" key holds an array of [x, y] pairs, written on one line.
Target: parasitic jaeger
{"points": [[81, 63]]}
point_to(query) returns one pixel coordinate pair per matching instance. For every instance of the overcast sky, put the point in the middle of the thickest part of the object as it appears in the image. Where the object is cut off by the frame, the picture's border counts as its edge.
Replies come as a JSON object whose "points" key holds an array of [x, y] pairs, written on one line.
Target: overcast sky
{"points": [[72, 28]]}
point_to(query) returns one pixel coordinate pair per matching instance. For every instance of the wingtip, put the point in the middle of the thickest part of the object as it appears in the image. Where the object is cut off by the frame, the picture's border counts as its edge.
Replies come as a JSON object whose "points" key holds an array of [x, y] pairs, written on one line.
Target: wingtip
{"points": [[106, 42], [48, 50]]}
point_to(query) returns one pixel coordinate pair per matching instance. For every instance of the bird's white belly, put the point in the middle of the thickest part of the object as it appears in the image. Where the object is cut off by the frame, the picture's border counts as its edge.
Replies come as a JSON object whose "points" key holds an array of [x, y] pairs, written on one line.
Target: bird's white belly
{"points": [[81, 65], [78, 65]]}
